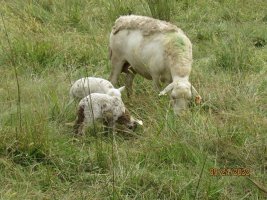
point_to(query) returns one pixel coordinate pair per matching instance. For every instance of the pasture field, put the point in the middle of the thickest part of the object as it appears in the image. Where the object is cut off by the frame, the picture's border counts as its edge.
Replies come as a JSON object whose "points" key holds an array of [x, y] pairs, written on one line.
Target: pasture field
{"points": [[47, 44]]}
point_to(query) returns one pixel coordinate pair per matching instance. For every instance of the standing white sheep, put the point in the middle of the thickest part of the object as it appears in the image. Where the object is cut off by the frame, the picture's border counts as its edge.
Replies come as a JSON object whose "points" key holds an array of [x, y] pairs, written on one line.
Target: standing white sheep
{"points": [[85, 86], [156, 50], [109, 109]]}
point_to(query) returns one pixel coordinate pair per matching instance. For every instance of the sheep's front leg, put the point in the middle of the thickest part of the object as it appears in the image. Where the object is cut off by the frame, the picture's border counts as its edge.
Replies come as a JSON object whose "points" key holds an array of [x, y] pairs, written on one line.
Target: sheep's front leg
{"points": [[129, 82]]}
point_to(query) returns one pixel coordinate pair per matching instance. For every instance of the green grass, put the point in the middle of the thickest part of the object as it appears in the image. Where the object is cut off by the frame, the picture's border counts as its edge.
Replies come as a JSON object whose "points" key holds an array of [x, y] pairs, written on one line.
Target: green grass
{"points": [[56, 42]]}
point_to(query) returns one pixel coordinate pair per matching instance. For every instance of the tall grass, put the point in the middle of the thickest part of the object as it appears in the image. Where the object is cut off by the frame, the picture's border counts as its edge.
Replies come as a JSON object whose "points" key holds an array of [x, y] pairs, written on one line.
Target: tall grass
{"points": [[235, 55], [12, 61], [57, 42], [160, 9]]}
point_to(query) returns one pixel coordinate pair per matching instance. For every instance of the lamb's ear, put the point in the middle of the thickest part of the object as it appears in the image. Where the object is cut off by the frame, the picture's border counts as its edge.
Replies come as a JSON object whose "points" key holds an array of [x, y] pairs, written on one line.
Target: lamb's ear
{"points": [[121, 88], [167, 89]]}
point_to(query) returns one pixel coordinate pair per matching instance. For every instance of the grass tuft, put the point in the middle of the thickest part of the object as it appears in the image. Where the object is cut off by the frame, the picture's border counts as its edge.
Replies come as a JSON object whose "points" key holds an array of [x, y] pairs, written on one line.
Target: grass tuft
{"points": [[234, 55], [160, 9]]}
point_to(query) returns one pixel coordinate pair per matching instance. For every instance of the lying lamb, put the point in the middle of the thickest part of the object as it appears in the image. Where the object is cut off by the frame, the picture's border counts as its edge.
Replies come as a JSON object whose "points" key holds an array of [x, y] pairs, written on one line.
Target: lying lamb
{"points": [[84, 86], [156, 50], [109, 109]]}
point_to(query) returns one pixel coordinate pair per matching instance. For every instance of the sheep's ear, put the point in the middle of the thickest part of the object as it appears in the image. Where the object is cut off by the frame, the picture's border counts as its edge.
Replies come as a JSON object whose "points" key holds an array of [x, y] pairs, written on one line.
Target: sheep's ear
{"points": [[167, 89], [121, 88]]}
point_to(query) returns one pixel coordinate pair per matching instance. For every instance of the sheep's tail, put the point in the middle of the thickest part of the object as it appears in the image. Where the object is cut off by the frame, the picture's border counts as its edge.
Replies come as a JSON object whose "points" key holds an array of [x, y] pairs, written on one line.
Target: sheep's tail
{"points": [[79, 120]]}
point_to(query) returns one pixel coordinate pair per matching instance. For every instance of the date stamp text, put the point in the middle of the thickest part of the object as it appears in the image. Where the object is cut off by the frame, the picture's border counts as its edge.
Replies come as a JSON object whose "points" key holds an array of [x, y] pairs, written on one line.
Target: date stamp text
{"points": [[230, 172]]}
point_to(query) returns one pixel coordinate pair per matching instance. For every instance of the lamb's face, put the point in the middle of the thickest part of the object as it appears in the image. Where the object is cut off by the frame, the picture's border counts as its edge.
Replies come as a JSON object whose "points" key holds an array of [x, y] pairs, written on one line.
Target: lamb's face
{"points": [[127, 120], [180, 96]]}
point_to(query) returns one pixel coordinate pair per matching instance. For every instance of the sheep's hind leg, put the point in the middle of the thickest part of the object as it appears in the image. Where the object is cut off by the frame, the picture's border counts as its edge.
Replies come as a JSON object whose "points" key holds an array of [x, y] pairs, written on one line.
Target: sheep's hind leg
{"points": [[116, 69], [129, 82]]}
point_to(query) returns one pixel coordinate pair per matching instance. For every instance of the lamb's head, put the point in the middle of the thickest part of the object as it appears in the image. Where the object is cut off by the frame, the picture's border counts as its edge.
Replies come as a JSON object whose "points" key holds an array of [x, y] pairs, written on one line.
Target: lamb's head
{"points": [[115, 92], [180, 95], [112, 109], [115, 111], [127, 120]]}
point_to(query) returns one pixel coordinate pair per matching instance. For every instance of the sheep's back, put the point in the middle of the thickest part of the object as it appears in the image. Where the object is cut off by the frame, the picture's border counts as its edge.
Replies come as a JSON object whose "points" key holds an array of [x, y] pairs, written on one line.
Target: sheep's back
{"points": [[147, 25]]}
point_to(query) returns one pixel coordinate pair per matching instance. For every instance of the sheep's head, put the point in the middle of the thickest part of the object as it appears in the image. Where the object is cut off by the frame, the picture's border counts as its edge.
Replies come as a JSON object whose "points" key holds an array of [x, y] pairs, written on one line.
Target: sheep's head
{"points": [[127, 120], [180, 95], [116, 92]]}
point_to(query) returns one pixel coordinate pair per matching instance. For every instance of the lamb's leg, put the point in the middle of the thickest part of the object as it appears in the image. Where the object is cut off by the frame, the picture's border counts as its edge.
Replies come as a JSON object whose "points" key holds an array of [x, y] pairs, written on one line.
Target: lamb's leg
{"points": [[81, 130], [129, 82], [116, 69], [79, 123], [108, 127], [108, 121]]}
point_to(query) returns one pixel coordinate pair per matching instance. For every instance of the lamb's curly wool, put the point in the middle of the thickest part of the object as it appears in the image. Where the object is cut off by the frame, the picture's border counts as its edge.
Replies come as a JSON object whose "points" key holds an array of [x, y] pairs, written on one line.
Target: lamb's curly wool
{"points": [[98, 106], [85, 86]]}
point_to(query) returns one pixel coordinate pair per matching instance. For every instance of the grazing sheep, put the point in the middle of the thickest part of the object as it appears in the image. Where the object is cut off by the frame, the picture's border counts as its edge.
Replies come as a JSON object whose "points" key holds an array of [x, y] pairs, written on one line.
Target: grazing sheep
{"points": [[156, 50], [109, 109], [84, 86]]}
